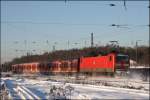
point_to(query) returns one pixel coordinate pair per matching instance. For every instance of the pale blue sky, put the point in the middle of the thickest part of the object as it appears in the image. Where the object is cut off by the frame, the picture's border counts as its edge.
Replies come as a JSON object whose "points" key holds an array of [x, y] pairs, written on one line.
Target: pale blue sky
{"points": [[74, 21]]}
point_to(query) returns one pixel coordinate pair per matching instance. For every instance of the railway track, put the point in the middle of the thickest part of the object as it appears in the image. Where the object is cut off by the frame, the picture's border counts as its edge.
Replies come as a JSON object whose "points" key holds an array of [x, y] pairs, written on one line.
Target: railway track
{"points": [[85, 79], [113, 82], [95, 81], [25, 93], [18, 91], [24, 88]]}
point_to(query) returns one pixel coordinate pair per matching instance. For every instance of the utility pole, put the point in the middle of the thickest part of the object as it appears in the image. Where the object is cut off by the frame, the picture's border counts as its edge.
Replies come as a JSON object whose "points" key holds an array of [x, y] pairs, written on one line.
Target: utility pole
{"points": [[68, 44], [92, 43], [68, 49], [34, 42], [54, 46], [25, 42], [85, 43], [16, 50], [47, 42]]}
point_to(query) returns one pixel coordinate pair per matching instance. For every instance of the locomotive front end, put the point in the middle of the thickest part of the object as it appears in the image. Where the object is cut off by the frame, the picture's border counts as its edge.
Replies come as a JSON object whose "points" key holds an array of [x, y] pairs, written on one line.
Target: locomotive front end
{"points": [[122, 63]]}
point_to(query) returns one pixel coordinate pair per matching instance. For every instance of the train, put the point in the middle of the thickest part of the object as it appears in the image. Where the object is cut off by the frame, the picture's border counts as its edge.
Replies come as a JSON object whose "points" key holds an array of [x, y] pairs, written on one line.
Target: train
{"points": [[106, 64]]}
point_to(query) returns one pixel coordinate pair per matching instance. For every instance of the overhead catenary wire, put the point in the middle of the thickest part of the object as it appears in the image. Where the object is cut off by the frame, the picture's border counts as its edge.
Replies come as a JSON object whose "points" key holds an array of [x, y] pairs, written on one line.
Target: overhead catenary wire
{"points": [[76, 24], [75, 4], [57, 23]]}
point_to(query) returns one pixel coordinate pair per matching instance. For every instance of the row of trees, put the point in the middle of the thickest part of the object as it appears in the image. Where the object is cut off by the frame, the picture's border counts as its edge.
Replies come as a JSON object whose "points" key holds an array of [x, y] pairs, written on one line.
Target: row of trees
{"points": [[143, 55]]}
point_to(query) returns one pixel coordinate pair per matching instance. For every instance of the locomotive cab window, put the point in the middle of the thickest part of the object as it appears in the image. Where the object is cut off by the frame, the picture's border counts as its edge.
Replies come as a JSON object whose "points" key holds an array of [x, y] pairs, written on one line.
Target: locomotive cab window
{"points": [[122, 58]]}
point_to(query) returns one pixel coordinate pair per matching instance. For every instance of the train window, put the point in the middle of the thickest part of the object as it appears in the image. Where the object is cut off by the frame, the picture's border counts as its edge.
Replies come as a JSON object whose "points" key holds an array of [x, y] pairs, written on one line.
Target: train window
{"points": [[30, 67], [33, 67], [110, 58], [122, 58]]}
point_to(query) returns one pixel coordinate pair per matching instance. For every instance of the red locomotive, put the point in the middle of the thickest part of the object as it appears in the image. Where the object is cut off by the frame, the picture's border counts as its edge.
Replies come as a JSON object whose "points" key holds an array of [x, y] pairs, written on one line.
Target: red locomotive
{"points": [[109, 63]]}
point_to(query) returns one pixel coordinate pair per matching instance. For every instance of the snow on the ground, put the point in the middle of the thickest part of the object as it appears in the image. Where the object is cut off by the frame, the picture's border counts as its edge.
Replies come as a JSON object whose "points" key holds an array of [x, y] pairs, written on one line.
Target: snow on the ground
{"points": [[48, 89], [139, 67], [122, 82]]}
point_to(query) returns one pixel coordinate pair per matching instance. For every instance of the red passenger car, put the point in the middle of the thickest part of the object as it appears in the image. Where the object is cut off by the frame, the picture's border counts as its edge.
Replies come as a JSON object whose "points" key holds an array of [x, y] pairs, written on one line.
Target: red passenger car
{"points": [[101, 64]]}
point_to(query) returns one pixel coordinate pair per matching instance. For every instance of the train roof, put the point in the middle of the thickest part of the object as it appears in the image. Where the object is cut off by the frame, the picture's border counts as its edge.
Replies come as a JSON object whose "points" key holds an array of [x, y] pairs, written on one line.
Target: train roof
{"points": [[26, 63]]}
